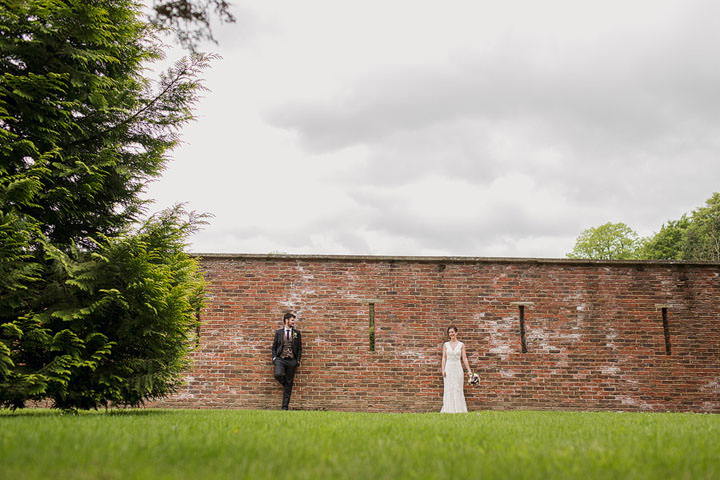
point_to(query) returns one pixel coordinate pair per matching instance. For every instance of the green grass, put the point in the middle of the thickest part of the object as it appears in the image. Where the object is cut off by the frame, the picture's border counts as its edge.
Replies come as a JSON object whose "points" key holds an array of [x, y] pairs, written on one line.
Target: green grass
{"points": [[197, 444]]}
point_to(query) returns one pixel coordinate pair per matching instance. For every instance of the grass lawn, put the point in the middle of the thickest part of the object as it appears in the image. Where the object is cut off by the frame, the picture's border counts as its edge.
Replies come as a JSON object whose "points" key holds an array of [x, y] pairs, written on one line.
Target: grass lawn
{"points": [[235, 444]]}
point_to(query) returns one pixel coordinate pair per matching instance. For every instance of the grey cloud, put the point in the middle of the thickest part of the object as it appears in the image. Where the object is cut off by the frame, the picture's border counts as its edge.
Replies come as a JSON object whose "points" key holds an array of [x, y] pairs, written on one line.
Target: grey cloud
{"points": [[384, 214], [632, 97], [623, 129], [343, 230], [618, 101], [248, 27]]}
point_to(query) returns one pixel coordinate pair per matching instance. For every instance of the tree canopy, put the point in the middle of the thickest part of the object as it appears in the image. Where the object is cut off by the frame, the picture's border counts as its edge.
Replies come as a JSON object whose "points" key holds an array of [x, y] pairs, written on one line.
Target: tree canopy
{"points": [[693, 237], [667, 243], [702, 236], [611, 241], [96, 305], [191, 19]]}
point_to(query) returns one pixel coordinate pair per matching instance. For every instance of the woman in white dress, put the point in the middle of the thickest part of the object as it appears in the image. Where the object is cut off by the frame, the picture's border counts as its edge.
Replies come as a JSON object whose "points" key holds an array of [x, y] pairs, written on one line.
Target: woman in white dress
{"points": [[453, 378]]}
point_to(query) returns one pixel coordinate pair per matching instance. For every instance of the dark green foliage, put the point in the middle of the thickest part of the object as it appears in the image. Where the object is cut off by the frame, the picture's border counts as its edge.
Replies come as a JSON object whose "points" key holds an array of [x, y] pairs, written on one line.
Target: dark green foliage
{"points": [[692, 238], [111, 325], [667, 243], [93, 310], [82, 130], [702, 238]]}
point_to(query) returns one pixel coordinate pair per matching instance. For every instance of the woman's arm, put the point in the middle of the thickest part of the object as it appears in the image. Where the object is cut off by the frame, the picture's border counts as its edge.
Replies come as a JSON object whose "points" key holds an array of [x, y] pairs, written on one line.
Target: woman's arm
{"points": [[464, 357], [443, 360]]}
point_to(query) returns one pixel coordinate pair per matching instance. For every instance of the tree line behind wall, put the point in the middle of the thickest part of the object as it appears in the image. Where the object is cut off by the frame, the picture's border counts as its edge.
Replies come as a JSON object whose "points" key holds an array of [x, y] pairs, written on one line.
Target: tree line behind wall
{"points": [[692, 237]]}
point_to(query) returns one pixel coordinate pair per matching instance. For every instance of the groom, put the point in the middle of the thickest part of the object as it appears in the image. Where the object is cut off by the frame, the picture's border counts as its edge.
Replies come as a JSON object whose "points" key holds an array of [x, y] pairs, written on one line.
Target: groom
{"points": [[286, 353]]}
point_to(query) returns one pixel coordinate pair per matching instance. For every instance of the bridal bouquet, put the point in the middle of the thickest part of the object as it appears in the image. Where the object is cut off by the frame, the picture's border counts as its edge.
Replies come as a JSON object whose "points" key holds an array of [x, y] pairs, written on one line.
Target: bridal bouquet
{"points": [[474, 379]]}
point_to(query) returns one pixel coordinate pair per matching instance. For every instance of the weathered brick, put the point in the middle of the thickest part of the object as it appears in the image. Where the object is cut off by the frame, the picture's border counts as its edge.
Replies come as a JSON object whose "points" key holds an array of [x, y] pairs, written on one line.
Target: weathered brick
{"points": [[593, 331]]}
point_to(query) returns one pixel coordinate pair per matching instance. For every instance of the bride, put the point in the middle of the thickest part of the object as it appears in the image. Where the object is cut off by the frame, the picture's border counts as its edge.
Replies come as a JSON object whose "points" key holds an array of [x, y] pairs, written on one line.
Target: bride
{"points": [[453, 351]]}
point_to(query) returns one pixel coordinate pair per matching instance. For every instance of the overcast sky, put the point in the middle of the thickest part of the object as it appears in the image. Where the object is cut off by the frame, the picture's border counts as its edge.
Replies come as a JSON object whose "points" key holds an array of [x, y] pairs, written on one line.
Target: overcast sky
{"points": [[471, 128]]}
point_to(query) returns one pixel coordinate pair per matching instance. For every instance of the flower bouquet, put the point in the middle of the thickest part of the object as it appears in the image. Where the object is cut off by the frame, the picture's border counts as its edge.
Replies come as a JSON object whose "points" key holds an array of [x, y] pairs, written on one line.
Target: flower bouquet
{"points": [[474, 379]]}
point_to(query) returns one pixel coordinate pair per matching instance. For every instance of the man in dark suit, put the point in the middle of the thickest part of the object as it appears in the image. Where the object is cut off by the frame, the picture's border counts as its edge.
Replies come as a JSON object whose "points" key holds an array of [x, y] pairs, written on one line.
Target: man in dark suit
{"points": [[286, 353]]}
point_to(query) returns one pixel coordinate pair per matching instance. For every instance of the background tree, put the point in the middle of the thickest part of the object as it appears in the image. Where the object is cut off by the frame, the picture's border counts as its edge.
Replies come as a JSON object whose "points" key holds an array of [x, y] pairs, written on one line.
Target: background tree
{"points": [[702, 236], [191, 19], [667, 244], [95, 308], [694, 237], [611, 241]]}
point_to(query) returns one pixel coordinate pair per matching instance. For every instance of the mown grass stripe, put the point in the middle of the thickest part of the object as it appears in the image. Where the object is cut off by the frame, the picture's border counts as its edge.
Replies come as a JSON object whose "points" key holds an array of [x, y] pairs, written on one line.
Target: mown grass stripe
{"points": [[180, 444]]}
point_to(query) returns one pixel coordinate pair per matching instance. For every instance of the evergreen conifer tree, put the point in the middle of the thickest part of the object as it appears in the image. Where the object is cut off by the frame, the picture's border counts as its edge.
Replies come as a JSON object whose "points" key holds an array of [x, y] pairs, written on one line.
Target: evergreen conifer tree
{"points": [[96, 308]]}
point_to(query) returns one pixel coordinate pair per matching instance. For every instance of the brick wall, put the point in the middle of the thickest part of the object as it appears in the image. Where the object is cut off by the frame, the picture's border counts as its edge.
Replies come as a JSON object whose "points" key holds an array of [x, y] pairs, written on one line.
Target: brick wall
{"points": [[594, 333]]}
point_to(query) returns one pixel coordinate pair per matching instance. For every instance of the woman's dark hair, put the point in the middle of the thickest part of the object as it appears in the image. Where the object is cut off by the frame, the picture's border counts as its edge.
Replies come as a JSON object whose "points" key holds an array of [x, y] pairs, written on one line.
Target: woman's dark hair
{"points": [[452, 327]]}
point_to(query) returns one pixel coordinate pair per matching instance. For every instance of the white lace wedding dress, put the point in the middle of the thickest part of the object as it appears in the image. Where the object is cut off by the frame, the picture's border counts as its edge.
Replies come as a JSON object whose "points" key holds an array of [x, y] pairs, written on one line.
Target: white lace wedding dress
{"points": [[453, 396]]}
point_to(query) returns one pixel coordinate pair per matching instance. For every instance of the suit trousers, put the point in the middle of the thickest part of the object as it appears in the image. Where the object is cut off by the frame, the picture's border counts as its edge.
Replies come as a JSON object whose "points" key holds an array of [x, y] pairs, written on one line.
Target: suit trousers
{"points": [[285, 374]]}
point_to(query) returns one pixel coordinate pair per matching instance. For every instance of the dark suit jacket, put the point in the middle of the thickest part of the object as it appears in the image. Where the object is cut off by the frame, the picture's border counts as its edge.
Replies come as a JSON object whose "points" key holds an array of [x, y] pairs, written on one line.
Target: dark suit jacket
{"points": [[278, 344]]}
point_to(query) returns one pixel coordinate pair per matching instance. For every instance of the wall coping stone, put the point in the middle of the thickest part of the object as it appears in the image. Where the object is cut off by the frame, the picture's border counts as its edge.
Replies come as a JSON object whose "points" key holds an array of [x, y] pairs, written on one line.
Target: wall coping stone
{"points": [[455, 259]]}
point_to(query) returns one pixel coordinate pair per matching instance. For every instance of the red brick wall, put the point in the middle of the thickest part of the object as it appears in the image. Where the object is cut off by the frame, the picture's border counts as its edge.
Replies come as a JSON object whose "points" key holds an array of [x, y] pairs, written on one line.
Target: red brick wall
{"points": [[594, 333]]}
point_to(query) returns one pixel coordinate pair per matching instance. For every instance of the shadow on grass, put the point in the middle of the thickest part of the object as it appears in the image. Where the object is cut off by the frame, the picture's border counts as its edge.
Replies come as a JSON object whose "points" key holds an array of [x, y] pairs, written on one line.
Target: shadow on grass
{"points": [[139, 412], [22, 412], [48, 412]]}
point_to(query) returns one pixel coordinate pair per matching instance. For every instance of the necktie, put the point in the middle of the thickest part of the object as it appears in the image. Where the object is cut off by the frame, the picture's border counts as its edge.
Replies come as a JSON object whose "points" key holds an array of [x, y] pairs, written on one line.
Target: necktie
{"points": [[287, 333]]}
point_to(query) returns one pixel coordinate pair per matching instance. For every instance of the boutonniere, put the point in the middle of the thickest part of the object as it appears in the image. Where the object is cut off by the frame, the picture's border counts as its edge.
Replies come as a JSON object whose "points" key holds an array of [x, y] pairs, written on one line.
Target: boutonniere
{"points": [[294, 334]]}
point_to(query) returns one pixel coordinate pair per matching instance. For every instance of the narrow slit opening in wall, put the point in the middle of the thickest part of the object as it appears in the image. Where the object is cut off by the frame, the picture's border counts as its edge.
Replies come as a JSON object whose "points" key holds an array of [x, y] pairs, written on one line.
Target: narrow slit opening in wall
{"points": [[666, 330], [197, 328], [522, 328], [372, 325]]}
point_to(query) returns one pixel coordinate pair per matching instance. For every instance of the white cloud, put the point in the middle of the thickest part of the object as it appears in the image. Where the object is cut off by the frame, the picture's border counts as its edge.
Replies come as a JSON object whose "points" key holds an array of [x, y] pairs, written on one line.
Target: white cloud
{"points": [[461, 128]]}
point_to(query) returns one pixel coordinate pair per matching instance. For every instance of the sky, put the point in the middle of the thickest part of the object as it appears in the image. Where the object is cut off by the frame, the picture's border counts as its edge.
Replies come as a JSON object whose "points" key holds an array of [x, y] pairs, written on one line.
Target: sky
{"points": [[453, 128]]}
